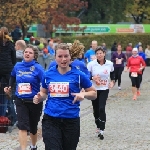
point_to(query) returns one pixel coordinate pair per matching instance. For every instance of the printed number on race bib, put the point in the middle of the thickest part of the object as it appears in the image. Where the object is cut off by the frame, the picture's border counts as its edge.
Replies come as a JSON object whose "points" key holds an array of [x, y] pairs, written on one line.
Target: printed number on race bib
{"points": [[118, 61], [24, 88], [59, 89], [134, 74], [103, 82]]}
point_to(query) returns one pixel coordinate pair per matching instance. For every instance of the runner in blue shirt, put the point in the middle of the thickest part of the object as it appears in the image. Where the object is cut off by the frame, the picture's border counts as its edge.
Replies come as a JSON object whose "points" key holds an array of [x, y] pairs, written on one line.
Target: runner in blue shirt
{"points": [[62, 83], [28, 75], [90, 54], [75, 50]]}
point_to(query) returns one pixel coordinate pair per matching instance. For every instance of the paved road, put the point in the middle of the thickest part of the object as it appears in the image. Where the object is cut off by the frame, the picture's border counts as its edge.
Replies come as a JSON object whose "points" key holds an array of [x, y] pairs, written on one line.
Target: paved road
{"points": [[127, 127]]}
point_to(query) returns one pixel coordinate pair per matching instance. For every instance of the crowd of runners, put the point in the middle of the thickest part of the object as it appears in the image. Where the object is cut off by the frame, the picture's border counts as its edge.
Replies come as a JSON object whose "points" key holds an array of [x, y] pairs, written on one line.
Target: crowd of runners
{"points": [[62, 74]]}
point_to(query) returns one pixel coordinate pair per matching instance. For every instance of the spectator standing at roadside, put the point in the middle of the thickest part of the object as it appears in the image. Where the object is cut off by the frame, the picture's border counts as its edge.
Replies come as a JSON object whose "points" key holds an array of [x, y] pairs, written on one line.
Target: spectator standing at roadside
{"points": [[16, 34], [20, 46], [147, 53], [129, 51], [139, 44], [113, 48], [142, 54], [7, 62], [51, 48], [104, 47]]}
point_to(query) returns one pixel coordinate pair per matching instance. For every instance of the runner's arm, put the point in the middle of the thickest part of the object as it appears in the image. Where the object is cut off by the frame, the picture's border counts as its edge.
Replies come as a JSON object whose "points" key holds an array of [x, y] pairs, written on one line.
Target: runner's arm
{"points": [[90, 93], [43, 93]]}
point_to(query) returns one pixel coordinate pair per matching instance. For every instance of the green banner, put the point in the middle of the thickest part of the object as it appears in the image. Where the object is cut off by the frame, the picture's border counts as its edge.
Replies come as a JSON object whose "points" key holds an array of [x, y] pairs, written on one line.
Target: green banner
{"points": [[106, 28]]}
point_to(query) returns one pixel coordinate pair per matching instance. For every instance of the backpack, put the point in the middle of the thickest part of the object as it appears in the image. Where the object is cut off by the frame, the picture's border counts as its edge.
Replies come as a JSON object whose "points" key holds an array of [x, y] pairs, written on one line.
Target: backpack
{"points": [[4, 123]]}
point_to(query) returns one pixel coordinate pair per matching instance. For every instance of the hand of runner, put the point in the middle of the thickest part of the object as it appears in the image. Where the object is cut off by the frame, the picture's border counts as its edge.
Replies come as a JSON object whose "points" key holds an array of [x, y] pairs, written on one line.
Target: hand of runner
{"points": [[111, 84], [37, 98], [96, 78], [140, 69], [125, 69], [7, 90], [78, 97]]}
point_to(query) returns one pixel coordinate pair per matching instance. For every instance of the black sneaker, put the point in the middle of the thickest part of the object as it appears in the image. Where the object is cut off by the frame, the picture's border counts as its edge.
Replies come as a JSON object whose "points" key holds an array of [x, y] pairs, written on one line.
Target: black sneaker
{"points": [[101, 136], [33, 148]]}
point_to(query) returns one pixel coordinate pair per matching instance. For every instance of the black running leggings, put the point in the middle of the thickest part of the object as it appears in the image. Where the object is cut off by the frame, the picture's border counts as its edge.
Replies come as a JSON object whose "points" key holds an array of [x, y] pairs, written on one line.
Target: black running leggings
{"points": [[118, 72], [99, 108]]}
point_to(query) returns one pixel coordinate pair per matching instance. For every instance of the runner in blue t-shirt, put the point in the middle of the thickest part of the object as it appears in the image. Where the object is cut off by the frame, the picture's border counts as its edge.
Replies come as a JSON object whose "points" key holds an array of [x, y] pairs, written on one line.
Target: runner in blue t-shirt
{"points": [[75, 50], [28, 76], [62, 83], [90, 54]]}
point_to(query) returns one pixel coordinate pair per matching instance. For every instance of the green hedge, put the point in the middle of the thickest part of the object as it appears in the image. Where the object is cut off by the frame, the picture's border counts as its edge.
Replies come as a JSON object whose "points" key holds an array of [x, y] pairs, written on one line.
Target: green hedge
{"points": [[109, 39]]}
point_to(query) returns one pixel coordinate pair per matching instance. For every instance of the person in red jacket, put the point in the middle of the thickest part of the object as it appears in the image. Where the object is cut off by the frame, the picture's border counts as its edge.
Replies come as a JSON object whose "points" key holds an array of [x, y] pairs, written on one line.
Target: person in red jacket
{"points": [[135, 65]]}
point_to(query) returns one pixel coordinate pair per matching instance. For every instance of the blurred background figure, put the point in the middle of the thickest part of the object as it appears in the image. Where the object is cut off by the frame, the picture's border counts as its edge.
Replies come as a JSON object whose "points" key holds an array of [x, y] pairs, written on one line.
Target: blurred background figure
{"points": [[16, 34], [129, 51], [7, 62], [147, 53], [104, 47], [20, 46], [113, 48], [139, 44], [90, 54]]}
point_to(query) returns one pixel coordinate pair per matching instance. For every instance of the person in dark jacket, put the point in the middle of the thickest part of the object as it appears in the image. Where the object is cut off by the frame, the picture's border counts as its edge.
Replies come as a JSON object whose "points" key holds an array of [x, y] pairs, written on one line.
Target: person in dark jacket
{"points": [[113, 48], [7, 53], [7, 62], [16, 34]]}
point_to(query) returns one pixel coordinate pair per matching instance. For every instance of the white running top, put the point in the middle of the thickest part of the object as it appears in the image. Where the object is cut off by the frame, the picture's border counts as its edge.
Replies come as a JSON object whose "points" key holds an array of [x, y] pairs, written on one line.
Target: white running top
{"points": [[103, 71]]}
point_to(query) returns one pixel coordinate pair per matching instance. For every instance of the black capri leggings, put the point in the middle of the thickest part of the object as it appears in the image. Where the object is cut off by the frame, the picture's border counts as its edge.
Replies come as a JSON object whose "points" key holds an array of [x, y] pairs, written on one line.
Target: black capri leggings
{"points": [[118, 72], [135, 80], [99, 108]]}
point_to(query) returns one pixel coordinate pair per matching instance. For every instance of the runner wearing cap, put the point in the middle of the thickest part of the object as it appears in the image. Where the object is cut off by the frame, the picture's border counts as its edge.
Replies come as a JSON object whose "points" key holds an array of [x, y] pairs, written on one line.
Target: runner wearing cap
{"points": [[102, 71], [63, 83], [135, 65]]}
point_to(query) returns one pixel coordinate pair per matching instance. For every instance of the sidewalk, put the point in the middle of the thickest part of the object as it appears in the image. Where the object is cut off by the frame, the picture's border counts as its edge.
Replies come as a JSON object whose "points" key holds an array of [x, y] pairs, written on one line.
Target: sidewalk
{"points": [[127, 126]]}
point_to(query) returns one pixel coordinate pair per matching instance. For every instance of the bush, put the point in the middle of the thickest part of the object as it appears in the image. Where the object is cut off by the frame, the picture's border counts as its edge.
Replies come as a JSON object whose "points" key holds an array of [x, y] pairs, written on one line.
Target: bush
{"points": [[109, 39]]}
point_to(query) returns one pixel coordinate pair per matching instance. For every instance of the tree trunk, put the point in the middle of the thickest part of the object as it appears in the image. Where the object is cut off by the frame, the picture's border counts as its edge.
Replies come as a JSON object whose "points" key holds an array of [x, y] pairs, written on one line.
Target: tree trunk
{"points": [[24, 31], [136, 19]]}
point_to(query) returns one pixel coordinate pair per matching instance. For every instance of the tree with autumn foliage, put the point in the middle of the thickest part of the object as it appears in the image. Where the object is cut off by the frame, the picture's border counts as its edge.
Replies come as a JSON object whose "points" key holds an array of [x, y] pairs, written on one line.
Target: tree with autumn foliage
{"points": [[49, 12], [24, 12], [65, 14], [139, 10]]}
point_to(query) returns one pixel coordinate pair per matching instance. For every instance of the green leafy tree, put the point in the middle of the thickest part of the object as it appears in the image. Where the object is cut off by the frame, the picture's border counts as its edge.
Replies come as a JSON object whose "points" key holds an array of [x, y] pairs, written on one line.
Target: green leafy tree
{"points": [[104, 11], [139, 10]]}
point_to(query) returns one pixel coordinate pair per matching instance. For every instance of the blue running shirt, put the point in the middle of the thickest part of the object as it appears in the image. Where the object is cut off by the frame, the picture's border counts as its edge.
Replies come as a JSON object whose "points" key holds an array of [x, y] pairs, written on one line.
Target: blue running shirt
{"points": [[60, 87], [28, 78]]}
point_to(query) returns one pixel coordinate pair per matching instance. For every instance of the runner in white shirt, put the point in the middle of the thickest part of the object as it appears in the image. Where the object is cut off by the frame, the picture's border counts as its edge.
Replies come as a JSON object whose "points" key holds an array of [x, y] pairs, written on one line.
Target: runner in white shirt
{"points": [[102, 71]]}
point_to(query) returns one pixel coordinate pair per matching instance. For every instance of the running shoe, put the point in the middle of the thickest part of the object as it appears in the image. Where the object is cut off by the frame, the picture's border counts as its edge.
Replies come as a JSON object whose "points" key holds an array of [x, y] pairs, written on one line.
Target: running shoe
{"points": [[138, 93], [101, 136], [33, 148], [119, 88], [134, 97]]}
